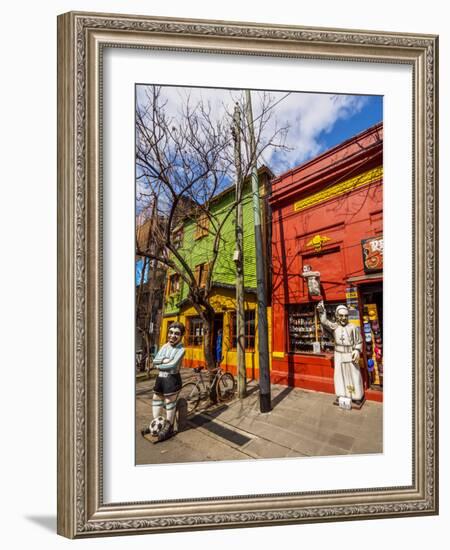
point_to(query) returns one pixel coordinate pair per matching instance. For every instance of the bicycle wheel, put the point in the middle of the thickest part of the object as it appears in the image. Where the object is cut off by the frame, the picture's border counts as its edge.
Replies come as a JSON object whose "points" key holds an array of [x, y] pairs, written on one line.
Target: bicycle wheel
{"points": [[191, 393], [226, 386]]}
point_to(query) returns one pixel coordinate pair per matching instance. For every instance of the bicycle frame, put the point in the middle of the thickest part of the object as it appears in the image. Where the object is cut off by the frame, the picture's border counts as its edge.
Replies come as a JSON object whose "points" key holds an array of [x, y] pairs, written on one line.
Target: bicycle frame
{"points": [[199, 379]]}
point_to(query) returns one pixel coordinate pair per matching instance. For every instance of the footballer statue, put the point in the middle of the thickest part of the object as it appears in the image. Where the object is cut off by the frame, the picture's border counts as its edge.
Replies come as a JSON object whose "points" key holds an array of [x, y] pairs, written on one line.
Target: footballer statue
{"points": [[168, 384]]}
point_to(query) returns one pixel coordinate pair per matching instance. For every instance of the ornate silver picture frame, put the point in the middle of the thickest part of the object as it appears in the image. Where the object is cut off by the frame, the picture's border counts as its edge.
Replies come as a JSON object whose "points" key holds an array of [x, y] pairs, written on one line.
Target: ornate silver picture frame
{"points": [[82, 508]]}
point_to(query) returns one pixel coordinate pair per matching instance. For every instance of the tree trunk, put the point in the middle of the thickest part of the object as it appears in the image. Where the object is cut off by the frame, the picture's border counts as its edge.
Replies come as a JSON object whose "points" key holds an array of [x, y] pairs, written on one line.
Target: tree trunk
{"points": [[207, 315], [208, 327]]}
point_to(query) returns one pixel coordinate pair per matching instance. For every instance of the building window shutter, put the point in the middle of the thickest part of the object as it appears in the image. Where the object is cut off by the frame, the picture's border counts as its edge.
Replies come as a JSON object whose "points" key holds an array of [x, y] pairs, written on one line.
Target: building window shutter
{"points": [[202, 226], [205, 273], [197, 274]]}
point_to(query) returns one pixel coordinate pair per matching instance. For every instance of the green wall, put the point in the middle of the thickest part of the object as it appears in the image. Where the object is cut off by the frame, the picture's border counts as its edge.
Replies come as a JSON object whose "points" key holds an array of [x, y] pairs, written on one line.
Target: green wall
{"points": [[198, 251]]}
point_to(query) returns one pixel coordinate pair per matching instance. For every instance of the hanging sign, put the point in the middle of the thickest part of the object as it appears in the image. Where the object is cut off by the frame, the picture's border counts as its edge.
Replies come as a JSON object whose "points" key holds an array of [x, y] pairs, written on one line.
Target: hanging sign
{"points": [[313, 280], [372, 250], [351, 296]]}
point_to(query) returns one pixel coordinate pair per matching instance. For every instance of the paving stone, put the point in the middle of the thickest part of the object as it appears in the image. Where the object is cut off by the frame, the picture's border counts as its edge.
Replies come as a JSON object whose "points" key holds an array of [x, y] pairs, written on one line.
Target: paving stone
{"points": [[342, 441], [367, 447], [267, 449], [302, 423]]}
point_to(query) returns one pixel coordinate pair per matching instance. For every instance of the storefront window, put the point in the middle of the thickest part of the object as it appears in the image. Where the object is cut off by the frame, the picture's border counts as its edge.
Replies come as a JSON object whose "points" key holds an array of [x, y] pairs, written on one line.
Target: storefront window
{"points": [[195, 331], [250, 330], [305, 331]]}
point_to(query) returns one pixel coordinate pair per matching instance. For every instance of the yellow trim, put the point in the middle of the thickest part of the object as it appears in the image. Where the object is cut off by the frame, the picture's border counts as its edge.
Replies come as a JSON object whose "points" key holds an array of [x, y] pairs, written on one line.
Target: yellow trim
{"points": [[279, 354], [340, 188]]}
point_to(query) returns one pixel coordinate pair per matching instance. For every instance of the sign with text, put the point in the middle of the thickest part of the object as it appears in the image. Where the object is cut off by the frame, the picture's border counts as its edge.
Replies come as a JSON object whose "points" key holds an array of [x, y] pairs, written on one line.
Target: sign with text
{"points": [[351, 296], [372, 250]]}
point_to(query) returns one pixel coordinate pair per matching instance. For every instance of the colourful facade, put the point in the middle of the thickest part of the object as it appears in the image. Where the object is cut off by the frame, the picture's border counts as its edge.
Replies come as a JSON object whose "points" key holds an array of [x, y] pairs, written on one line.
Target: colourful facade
{"points": [[196, 248], [327, 219]]}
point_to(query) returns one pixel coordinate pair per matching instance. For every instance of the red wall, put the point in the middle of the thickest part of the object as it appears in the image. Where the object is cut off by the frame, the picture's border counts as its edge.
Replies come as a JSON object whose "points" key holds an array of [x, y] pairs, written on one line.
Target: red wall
{"points": [[345, 220]]}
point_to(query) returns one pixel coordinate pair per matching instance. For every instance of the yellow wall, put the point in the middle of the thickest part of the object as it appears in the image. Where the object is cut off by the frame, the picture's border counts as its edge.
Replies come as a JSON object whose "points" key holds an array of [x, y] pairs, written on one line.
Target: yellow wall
{"points": [[223, 302]]}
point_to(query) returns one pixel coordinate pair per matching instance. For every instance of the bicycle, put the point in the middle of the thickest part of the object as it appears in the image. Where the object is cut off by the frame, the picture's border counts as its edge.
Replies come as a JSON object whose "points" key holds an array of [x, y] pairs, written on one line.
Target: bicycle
{"points": [[193, 392], [141, 360]]}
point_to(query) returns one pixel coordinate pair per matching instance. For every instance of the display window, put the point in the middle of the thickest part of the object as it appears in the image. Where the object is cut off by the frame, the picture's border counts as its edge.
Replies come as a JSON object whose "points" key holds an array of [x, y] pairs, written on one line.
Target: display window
{"points": [[250, 330], [195, 331], [305, 332]]}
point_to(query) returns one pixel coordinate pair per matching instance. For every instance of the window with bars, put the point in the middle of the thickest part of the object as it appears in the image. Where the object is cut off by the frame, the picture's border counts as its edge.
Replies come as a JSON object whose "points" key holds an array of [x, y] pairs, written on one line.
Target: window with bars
{"points": [[195, 331], [250, 330], [305, 331]]}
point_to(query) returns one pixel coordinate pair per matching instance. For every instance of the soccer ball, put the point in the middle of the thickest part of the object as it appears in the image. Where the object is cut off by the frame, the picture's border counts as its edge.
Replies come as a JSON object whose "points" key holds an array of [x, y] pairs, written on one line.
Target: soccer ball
{"points": [[156, 425]]}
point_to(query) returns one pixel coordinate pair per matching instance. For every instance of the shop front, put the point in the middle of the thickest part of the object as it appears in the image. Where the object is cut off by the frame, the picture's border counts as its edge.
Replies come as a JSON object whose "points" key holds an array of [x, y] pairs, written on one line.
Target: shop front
{"points": [[327, 245], [368, 295], [224, 335]]}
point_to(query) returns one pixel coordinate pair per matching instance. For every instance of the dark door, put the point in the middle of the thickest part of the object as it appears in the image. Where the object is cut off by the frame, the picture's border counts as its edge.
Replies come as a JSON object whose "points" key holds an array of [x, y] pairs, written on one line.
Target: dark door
{"points": [[218, 337]]}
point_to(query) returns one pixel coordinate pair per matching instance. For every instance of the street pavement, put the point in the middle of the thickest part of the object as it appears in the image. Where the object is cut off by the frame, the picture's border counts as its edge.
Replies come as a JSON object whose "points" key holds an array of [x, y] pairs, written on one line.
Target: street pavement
{"points": [[301, 423]]}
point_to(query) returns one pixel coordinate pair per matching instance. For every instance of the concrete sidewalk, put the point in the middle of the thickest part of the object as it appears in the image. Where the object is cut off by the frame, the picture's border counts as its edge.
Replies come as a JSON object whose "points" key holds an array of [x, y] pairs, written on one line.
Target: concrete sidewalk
{"points": [[301, 423]]}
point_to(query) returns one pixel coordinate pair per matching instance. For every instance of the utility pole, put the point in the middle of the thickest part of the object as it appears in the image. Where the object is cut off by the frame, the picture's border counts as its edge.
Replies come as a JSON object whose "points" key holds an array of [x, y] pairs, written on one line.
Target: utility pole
{"points": [[263, 333], [239, 258]]}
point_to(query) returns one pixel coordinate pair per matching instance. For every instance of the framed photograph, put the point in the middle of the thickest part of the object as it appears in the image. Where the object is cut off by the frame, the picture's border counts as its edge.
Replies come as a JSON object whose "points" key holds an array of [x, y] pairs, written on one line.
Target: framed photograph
{"points": [[247, 283]]}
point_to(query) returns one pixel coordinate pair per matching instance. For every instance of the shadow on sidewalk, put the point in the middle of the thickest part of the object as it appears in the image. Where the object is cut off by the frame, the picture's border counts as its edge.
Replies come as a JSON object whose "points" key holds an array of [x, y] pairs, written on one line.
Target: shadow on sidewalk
{"points": [[228, 434], [252, 390], [282, 395]]}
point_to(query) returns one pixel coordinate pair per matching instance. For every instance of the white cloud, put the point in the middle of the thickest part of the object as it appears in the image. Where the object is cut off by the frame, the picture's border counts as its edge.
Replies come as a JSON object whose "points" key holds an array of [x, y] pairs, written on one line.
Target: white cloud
{"points": [[309, 117], [176, 96]]}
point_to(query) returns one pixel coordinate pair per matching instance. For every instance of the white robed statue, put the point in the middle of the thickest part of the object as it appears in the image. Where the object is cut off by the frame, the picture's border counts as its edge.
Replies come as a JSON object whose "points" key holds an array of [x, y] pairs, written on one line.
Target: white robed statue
{"points": [[347, 349]]}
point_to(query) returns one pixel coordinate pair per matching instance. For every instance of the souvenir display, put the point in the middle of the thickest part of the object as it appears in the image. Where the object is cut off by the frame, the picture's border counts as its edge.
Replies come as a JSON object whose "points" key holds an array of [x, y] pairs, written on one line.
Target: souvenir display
{"points": [[306, 335], [373, 344], [305, 329]]}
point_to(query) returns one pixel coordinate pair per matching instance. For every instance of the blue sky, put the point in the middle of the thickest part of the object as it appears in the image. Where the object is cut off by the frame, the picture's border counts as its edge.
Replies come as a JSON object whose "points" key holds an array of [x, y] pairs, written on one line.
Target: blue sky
{"points": [[342, 129], [315, 121], [318, 122], [138, 272]]}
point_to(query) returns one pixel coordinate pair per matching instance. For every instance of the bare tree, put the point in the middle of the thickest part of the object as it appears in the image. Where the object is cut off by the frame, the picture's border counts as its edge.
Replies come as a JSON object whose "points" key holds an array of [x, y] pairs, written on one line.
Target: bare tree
{"points": [[150, 282], [186, 160]]}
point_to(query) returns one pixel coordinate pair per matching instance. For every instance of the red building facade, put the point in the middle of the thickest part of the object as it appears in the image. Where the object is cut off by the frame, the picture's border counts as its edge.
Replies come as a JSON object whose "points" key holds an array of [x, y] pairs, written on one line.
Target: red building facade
{"points": [[327, 228]]}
